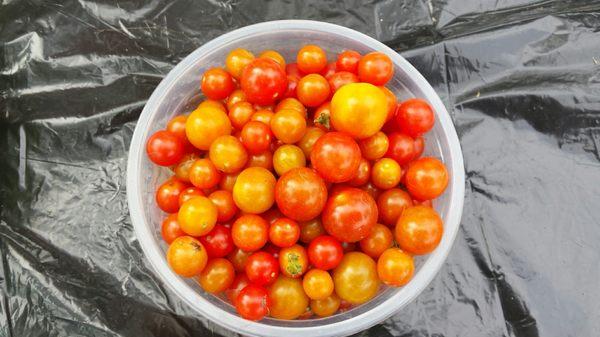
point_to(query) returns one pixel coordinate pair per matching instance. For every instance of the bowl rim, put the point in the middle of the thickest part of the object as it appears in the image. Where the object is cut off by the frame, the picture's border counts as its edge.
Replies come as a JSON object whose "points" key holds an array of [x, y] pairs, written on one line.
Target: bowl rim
{"points": [[350, 325]]}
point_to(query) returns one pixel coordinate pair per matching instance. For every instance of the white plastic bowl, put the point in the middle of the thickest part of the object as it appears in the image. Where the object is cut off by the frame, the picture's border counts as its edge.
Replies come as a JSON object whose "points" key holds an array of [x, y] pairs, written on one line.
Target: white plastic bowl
{"points": [[179, 93]]}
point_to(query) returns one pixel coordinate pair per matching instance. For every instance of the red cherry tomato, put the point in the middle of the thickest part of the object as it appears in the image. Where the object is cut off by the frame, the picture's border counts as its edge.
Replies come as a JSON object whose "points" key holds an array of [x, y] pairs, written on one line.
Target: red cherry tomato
{"points": [[363, 174], [375, 68], [253, 302], [350, 214], [300, 194], [256, 137], [165, 148], [325, 252], [401, 148], [291, 87], [263, 81], [167, 195], [170, 229], [391, 203], [284, 232], [348, 61], [217, 84], [336, 157], [337, 80], [414, 117], [311, 59], [218, 242], [426, 178], [262, 268]]}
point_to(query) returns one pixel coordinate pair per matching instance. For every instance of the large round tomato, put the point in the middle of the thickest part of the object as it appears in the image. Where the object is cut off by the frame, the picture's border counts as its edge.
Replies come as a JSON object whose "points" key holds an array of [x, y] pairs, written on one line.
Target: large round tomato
{"points": [[170, 229], [218, 241], [301, 194], [336, 157], [237, 60], [165, 148], [217, 276], [284, 232], [325, 252], [414, 117], [350, 214], [217, 84], [228, 154], [262, 268], [204, 125], [250, 232], [377, 242], [395, 267], [186, 256], [167, 195], [419, 230], [197, 216], [358, 109], [375, 68], [355, 278], [254, 190], [288, 300], [391, 203], [253, 302], [426, 178], [293, 261], [263, 81]]}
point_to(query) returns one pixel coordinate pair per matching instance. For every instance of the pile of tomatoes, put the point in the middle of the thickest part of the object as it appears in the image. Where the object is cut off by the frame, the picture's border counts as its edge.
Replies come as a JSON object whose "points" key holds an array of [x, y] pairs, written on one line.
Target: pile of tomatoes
{"points": [[298, 189]]}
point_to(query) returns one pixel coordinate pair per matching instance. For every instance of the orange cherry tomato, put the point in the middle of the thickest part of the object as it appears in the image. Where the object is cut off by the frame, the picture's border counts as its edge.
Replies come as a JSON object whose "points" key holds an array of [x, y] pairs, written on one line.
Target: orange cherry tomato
{"points": [[325, 307], [263, 116], [349, 214], [363, 174], [386, 173], [391, 203], [313, 90], [236, 96], [375, 68], [288, 157], [284, 232], [288, 126], [250, 232], [170, 229], [291, 104], [167, 195], [226, 208], [301, 194], [348, 61], [419, 230], [186, 256], [374, 147], [355, 278], [395, 267], [275, 56], [264, 159], [240, 113], [182, 170], [204, 125], [217, 276], [204, 174], [254, 190], [309, 139], [189, 193], [228, 154], [317, 284], [237, 60], [217, 84], [228, 181], [293, 261], [197, 216], [358, 109], [380, 239], [311, 59], [311, 229], [176, 126], [256, 137], [336, 157], [426, 178], [288, 300]]}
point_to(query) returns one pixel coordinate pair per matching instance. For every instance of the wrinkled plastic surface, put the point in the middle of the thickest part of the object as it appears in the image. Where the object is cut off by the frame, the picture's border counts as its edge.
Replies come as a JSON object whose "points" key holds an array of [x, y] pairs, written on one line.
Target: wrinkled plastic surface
{"points": [[521, 80]]}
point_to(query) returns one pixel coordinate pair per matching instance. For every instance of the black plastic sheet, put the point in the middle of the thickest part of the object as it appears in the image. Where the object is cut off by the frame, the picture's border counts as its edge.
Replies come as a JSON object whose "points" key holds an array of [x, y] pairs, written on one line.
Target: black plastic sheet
{"points": [[520, 78]]}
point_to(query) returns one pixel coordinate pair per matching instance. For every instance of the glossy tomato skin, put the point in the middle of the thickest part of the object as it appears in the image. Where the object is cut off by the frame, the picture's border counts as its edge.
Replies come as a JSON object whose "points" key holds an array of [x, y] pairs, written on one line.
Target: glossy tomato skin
{"points": [[264, 160], [374, 147], [228, 154], [218, 242], [262, 268], [309, 139], [204, 174], [228, 181], [256, 137], [395, 267], [217, 276], [401, 148], [325, 252], [182, 169], [350, 214], [167, 195], [336, 157], [186, 256], [165, 148], [250, 232], [375, 68], [414, 117], [237, 60], [386, 173], [263, 81], [240, 113], [392, 102], [291, 103], [254, 190], [380, 239], [284, 232], [317, 284], [391, 203], [328, 70], [311, 59], [288, 298], [217, 83], [253, 302], [355, 278], [236, 96], [205, 124], [197, 216], [419, 230], [288, 157], [426, 178], [291, 87], [288, 125], [358, 109], [275, 56], [419, 147], [293, 261], [348, 61], [313, 90], [170, 229], [301, 194]]}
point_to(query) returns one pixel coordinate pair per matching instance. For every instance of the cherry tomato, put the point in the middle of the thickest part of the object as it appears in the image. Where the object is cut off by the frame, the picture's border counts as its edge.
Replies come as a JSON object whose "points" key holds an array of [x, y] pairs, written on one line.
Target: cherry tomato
{"points": [[275, 56], [256, 137], [197, 216], [380, 239], [176, 126], [301, 194], [414, 117], [253, 302], [341, 78], [311, 229], [235, 97], [240, 113], [264, 159], [328, 70], [325, 252], [186, 256], [355, 278], [239, 282], [284, 232], [313, 90], [228, 154], [218, 242], [228, 181], [426, 178], [358, 109], [349, 214], [217, 276], [375, 68], [204, 125], [165, 148], [371, 189], [291, 104], [309, 139], [311, 59], [182, 169], [288, 126], [226, 208], [209, 103], [250, 232], [217, 84], [348, 61], [288, 298], [237, 60], [263, 81], [292, 69], [419, 230], [170, 229], [189, 193], [395, 267], [391, 203], [419, 147], [238, 259], [322, 117], [325, 307], [317, 284], [254, 190], [363, 174], [293, 261], [288, 157], [386, 173], [401, 148], [374, 147], [336, 157], [204, 174], [167, 195], [263, 116]]}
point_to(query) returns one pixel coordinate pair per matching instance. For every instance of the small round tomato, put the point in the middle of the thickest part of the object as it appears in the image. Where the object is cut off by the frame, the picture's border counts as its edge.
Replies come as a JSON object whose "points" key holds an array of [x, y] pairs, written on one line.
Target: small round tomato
{"points": [[311, 59], [293, 261], [375, 68], [358, 109], [189, 193], [391, 203], [238, 259], [253, 302], [256, 137], [239, 282], [217, 84], [386, 173], [311, 229], [262, 268], [336, 157], [325, 252], [217, 276], [226, 208], [186, 256], [254, 190], [263, 81], [341, 78], [419, 230], [235, 97], [288, 298], [355, 278], [291, 104], [325, 307], [288, 126], [204, 174], [371, 189], [237, 60], [328, 70], [313, 90], [264, 160], [374, 147], [228, 181], [210, 103], [228, 154], [218, 242], [349, 214], [348, 61], [182, 169], [395, 267], [240, 113], [317, 284], [284, 232], [414, 117], [263, 116], [363, 174], [419, 147], [275, 56], [380, 239], [197, 216], [204, 125], [250, 232], [288, 157], [426, 178], [402, 148], [309, 139], [165, 148], [322, 117], [170, 229], [167, 195], [301, 194]]}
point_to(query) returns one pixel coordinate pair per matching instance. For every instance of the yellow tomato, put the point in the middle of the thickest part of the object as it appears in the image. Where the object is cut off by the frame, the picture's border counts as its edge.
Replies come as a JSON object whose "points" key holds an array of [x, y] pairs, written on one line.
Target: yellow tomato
{"points": [[237, 60], [254, 190], [228, 154], [288, 300], [317, 284], [287, 157], [386, 173], [205, 124], [197, 216], [358, 109], [355, 278]]}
